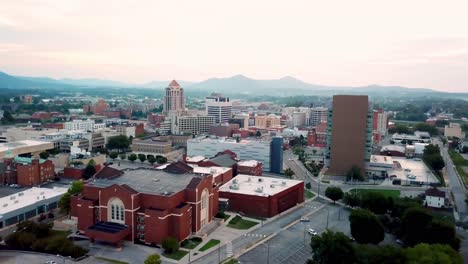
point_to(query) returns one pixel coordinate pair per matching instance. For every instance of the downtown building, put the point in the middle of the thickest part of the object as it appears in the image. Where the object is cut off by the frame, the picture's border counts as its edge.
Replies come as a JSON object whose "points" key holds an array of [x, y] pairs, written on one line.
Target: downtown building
{"points": [[219, 107], [146, 205], [174, 100], [349, 134], [268, 151]]}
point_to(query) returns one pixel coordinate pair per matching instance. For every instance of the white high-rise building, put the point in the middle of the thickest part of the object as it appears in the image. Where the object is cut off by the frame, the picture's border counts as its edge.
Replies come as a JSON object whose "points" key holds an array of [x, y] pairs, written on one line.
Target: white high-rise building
{"points": [[194, 125], [83, 125], [174, 100], [219, 107], [317, 115]]}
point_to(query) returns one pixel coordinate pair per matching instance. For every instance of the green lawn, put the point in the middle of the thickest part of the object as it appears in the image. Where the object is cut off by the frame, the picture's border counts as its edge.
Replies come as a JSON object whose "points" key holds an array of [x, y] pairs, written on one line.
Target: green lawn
{"points": [[387, 193], [239, 223], [308, 194], [232, 261], [176, 255], [460, 162], [190, 243], [114, 261], [210, 244]]}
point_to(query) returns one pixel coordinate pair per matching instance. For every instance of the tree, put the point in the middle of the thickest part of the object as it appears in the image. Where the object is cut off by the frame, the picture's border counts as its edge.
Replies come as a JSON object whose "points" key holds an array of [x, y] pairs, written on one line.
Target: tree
{"points": [[89, 171], [414, 225], [123, 156], [354, 173], [170, 245], [433, 254], [332, 247], [153, 259], [376, 202], [308, 186], [334, 193], [142, 157], [132, 157], [151, 160], [161, 159], [44, 155], [351, 199], [366, 227], [120, 143], [288, 172], [258, 133], [64, 202], [7, 118], [113, 155], [379, 254], [20, 240]]}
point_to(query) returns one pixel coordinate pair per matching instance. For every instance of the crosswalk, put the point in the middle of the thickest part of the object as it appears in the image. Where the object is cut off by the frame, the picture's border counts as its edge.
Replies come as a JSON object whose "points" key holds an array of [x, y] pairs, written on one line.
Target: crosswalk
{"points": [[229, 250], [254, 235]]}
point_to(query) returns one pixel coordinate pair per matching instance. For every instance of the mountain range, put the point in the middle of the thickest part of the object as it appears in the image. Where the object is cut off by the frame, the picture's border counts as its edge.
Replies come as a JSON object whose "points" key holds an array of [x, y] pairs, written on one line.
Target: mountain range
{"points": [[239, 84]]}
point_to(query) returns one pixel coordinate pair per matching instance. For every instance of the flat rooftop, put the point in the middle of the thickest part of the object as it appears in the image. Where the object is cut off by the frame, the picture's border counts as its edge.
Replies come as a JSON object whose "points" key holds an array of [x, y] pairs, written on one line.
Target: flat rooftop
{"points": [[215, 171], [248, 163], [257, 185], [227, 140], [151, 181], [195, 159], [405, 168], [381, 159], [22, 144], [28, 197]]}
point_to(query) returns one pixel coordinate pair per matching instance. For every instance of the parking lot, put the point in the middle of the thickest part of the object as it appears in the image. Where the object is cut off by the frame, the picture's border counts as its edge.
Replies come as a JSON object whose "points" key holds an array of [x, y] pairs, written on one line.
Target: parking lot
{"points": [[292, 245]]}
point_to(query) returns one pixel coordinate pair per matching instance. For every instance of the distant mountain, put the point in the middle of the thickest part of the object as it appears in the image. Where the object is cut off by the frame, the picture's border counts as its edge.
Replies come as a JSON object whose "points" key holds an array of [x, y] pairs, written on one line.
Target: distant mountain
{"points": [[235, 85]]}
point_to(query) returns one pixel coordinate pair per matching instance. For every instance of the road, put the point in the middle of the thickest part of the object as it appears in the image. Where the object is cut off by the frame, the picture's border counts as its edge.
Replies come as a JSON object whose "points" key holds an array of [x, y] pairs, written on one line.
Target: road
{"points": [[239, 244], [292, 245], [454, 184]]}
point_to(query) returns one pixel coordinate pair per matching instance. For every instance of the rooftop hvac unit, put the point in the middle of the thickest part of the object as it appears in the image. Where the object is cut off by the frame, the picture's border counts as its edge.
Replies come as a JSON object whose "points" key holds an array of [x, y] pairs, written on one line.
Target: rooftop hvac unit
{"points": [[260, 180], [249, 179], [259, 190], [283, 183], [234, 187], [234, 181], [12, 197], [5, 205], [272, 186]]}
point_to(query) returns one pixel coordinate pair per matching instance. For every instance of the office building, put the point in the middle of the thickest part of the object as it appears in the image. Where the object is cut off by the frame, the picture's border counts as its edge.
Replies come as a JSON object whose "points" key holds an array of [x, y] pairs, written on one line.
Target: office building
{"points": [[349, 133], [318, 115], [152, 146], [26, 171], [174, 100], [218, 107], [193, 125], [266, 121], [454, 130]]}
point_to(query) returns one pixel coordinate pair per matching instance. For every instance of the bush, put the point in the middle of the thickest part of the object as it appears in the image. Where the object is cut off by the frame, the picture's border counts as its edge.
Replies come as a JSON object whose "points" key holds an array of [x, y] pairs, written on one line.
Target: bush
{"points": [[220, 215], [308, 186], [197, 239], [334, 193], [366, 227], [170, 245]]}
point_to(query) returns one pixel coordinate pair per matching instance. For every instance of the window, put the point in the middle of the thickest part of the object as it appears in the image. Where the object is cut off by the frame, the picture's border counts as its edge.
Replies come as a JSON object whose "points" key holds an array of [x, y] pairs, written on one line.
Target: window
{"points": [[116, 211]]}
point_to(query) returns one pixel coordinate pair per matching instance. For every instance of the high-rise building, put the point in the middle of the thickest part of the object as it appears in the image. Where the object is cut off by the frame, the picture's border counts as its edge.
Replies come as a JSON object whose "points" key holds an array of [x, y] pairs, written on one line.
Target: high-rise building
{"points": [[219, 107], [379, 124], [174, 100], [349, 133], [317, 115], [194, 124]]}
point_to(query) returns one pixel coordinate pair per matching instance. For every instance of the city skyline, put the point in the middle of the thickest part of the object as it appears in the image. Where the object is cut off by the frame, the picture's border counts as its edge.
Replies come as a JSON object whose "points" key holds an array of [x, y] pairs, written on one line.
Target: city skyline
{"points": [[346, 44]]}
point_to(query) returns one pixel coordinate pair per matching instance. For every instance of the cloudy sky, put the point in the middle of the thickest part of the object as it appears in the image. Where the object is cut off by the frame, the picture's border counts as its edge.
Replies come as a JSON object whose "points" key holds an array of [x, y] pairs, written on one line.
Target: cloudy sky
{"points": [[410, 43]]}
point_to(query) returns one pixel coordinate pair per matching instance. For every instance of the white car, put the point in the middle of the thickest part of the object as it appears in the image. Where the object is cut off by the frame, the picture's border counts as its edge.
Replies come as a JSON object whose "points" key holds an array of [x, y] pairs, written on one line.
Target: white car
{"points": [[305, 219], [312, 232], [51, 262]]}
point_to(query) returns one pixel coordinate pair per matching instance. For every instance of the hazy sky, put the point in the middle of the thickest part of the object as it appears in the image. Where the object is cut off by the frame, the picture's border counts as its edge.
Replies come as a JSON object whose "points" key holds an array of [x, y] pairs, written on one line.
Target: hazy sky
{"points": [[410, 43]]}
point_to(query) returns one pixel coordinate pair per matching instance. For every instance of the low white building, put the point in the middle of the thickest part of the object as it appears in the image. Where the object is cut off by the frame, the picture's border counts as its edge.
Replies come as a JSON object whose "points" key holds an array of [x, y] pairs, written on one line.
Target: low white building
{"points": [[435, 198], [26, 204]]}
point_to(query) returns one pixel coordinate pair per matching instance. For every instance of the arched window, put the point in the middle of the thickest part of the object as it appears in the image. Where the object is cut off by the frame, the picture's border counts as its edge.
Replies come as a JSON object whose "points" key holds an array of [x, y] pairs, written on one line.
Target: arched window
{"points": [[116, 211]]}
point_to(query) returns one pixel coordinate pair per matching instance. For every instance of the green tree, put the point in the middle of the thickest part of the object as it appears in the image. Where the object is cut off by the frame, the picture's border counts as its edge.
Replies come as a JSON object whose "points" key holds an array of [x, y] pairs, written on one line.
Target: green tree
{"points": [[414, 225], [161, 159], [123, 156], [288, 172], [89, 172], [332, 247], [132, 157], [351, 199], [366, 227], [334, 193], [433, 254], [142, 157], [376, 202], [152, 160], [20, 240], [120, 143], [7, 118], [44, 155], [91, 162], [379, 254], [170, 245], [113, 155], [64, 202], [354, 174], [153, 259]]}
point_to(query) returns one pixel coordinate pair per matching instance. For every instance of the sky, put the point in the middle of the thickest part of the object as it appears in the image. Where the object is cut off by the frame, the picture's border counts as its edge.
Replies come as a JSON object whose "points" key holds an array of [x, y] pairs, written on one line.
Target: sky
{"points": [[354, 43]]}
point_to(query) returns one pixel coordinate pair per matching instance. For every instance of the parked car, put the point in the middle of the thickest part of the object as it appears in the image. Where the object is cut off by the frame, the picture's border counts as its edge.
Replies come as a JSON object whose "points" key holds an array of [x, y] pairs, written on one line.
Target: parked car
{"points": [[305, 219], [312, 232], [50, 262]]}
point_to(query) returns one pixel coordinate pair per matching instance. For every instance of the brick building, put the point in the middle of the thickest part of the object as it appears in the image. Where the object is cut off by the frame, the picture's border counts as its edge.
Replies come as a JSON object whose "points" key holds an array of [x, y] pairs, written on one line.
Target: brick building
{"points": [[318, 137], [250, 167], [261, 196], [26, 171], [145, 205], [155, 119], [98, 108]]}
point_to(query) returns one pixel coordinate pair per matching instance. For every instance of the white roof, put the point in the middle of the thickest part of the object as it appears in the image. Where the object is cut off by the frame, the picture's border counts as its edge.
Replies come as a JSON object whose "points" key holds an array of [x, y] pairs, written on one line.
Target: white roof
{"points": [[412, 167], [248, 163], [257, 185], [381, 159], [195, 159], [21, 144], [215, 171], [28, 197]]}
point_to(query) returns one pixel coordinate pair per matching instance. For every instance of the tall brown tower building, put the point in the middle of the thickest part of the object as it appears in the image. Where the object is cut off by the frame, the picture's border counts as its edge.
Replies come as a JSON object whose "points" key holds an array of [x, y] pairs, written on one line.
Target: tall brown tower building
{"points": [[349, 133], [174, 100]]}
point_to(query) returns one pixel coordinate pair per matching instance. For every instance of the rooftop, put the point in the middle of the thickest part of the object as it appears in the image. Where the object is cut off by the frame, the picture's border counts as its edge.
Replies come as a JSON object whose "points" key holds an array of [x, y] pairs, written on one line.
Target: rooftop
{"points": [[248, 163], [393, 148], [381, 159], [149, 181], [22, 144], [405, 168], [195, 159], [435, 192], [27, 197], [215, 171], [257, 185]]}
